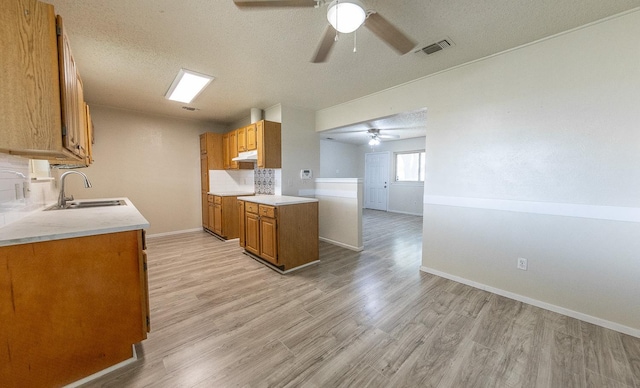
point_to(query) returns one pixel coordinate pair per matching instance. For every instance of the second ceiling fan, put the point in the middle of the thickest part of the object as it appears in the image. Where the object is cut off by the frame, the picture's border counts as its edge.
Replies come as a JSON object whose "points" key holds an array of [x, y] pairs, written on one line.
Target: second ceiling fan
{"points": [[344, 16]]}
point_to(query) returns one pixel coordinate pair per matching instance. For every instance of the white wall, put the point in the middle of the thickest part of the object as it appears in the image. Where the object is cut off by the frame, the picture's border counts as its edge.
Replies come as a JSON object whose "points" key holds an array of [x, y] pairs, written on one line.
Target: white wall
{"points": [[19, 195], [404, 197], [534, 153], [153, 160], [340, 160], [340, 211], [300, 150]]}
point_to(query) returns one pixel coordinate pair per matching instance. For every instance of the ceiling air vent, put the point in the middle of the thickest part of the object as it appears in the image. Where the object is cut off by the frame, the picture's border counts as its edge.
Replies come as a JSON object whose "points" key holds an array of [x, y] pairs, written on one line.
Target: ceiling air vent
{"points": [[439, 46]]}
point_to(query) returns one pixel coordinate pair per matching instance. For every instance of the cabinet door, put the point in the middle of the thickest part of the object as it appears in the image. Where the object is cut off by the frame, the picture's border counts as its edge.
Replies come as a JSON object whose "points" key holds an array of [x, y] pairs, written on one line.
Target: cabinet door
{"points": [[269, 239], [260, 143], [252, 233], [203, 144], [217, 219], [241, 133], [81, 135], [225, 152], [241, 231], [204, 173], [30, 90], [251, 137], [233, 149], [205, 210], [69, 92], [90, 140], [211, 213]]}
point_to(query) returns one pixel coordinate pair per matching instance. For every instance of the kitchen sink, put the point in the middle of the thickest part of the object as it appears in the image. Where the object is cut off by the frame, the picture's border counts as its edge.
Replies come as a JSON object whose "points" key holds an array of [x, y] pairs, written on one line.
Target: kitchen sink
{"points": [[83, 204]]}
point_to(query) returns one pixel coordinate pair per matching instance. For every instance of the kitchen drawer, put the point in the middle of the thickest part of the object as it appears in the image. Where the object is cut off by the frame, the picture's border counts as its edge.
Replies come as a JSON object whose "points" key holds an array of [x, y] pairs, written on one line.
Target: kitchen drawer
{"points": [[217, 200], [251, 207], [210, 198], [267, 211]]}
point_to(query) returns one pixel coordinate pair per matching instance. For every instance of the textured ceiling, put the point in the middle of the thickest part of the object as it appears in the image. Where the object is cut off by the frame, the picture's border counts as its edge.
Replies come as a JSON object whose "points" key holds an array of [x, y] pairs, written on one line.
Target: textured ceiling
{"points": [[129, 51]]}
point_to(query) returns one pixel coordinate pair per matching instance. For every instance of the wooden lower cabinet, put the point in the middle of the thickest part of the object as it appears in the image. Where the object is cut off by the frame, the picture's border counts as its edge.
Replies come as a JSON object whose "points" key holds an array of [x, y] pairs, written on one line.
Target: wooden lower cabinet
{"points": [[205, 210], [241, 222], [269, 239], [252, 233], [222, 216], [285, 236], [210, 213], [70, 308]]}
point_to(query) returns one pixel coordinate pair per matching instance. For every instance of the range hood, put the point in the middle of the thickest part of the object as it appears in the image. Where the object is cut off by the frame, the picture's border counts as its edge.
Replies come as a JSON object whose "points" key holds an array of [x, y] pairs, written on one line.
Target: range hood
{"points": [[249, 156]]}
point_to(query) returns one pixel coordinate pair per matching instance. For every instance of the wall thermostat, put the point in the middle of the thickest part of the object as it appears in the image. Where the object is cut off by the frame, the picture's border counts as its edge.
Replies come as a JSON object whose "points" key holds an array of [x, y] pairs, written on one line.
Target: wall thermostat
{"points": [[306, 174]]}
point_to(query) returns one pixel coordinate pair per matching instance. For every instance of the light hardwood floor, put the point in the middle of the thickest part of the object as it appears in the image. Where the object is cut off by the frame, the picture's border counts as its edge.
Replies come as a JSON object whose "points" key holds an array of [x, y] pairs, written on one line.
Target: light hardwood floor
{"points": [[369, 319]]}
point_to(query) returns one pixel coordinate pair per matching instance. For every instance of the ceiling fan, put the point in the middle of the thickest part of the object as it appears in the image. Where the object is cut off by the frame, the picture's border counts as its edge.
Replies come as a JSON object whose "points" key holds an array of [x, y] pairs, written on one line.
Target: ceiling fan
{"points": [[376, 136], [344, 16]]}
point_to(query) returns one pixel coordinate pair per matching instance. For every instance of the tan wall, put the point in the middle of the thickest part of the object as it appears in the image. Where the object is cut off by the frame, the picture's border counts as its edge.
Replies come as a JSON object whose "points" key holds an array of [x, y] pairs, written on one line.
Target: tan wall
{"points": [[153, 160]]}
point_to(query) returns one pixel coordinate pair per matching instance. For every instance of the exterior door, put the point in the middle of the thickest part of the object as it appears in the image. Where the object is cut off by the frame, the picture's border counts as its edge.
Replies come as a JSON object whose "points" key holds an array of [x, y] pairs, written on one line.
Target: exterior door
{"points": [[376, 180]]}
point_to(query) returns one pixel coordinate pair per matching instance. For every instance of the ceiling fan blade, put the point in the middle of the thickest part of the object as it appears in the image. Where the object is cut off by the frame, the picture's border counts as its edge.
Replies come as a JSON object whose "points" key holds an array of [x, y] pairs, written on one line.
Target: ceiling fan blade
{"points": [[382, 136], [324, 48], [389, 33], [275, 3]]}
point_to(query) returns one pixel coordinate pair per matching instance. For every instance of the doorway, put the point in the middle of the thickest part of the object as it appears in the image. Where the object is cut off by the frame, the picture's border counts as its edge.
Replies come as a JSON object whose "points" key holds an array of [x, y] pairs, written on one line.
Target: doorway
{"points": [[376, 180]]}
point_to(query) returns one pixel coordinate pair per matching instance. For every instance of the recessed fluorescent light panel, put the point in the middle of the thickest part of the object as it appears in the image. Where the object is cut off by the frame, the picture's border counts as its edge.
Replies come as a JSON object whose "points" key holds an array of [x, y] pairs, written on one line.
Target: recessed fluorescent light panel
{"points": [[187, 85]]}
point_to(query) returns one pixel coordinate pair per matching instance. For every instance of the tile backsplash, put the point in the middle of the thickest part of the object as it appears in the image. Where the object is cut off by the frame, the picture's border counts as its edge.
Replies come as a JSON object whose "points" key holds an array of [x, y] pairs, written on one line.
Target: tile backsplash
{"points": [[265, 180], [259, 180]]}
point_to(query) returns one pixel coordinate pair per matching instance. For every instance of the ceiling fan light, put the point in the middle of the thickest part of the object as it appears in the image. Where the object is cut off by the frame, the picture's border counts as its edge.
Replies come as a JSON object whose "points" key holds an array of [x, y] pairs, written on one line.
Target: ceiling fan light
{"points": [[374, 141], [346, 16]]}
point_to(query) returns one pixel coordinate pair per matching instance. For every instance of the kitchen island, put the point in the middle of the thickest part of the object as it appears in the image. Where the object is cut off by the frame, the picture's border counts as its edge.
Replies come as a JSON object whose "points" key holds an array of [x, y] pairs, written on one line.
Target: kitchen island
{"points": [[280, 231], [73, 293]]}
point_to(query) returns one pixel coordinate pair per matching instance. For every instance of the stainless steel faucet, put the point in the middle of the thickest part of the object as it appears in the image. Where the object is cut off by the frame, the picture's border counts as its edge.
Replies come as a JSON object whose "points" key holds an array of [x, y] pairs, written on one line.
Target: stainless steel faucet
{"points": [[62, 199]]}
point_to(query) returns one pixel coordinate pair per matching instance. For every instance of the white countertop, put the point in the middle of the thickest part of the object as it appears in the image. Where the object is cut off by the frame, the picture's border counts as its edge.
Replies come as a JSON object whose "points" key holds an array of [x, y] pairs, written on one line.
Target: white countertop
{"points": [[278, 200], [60, 224], [230, 193]]}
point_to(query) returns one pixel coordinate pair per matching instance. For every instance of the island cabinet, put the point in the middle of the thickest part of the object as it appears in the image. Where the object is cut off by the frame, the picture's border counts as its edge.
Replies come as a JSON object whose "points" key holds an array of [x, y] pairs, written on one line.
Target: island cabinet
{"points": [[71, 307], [42, 112], [285, 235]]}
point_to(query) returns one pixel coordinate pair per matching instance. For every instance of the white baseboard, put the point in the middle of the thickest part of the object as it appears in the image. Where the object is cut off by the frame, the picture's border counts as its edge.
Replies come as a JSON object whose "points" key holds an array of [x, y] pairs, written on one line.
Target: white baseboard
{"points": [[103, 372], [534, 302], [173, 233], [408, 213], [343, 245]]}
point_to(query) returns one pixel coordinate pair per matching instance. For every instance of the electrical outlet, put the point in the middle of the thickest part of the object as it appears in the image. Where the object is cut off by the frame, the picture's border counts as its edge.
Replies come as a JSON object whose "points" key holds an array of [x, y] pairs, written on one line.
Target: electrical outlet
{"points": [[522, 263]]}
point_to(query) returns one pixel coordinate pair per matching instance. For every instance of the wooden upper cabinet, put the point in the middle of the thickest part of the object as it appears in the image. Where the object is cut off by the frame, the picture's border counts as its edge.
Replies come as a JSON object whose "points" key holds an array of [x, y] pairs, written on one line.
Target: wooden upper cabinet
{"points": [[72, 94], [251, 137], [211, 147], [203, 144], [269, 144], [230, 145], [247, 139], [233, 149], [90, 139], [42, 111], [241, 133], [225, 152]]}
